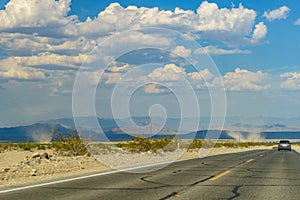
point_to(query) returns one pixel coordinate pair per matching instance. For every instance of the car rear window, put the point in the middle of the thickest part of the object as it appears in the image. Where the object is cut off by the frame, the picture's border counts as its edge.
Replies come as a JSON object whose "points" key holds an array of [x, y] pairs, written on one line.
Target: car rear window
{"points": [[284, 141]]}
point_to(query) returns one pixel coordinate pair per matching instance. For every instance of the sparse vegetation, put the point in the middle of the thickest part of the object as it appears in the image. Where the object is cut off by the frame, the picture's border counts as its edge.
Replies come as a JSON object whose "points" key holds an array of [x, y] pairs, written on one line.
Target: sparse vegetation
{"points": [[66, 145], [28, 146], [70, 145], [139, 144], [73, 145], [196, 144]]}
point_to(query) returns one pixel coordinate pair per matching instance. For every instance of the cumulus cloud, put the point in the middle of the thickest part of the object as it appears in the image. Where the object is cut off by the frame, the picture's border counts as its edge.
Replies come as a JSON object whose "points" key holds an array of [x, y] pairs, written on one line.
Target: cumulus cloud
{"points": [[32, 30], [213, 50], [169, 72], [204, 74], [29, 44], [153, 89], [181, 51], [242, 79], [259, 32], [46, 59], [15, 70], [292, 80], [34, 13], [280, 13], [218, 23], [209, 21]]}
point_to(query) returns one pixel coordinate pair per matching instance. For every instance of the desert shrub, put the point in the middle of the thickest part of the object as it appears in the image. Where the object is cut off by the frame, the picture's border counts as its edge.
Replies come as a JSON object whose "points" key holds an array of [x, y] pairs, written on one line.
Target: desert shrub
{"points": [[139, 144], [25, 146], [195, 144], [70, 144], [232, 144]]}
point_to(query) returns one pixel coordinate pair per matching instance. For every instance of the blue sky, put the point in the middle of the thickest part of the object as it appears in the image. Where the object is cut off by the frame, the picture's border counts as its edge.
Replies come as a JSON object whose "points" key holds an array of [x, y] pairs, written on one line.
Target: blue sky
{"points": [[254, 47]]}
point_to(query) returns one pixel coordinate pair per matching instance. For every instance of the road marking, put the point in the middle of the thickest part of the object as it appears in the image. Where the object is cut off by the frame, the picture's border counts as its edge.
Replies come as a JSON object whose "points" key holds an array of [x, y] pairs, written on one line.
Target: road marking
{"points": [[177, 195], [219, 175], [250, 160]]}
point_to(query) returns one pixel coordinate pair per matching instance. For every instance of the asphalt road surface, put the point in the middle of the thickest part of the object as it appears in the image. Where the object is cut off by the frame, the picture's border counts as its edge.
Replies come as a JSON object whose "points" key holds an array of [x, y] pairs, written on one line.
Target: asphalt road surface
{"points": [[261, 174]]}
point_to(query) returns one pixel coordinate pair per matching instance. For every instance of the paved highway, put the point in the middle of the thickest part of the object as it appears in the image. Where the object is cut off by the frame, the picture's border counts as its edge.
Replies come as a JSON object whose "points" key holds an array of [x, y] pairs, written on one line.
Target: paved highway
{"points": [[261, 174]]}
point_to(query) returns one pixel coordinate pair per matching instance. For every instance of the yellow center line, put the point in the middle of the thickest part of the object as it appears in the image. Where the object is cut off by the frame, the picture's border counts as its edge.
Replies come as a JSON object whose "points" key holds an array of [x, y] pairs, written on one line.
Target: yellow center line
{"points": [[250, 160], [219, 175]]}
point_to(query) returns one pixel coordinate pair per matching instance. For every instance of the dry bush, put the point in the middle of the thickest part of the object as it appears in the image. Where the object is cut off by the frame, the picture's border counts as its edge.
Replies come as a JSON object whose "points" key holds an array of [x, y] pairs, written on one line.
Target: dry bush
{"points": [[139, 144], [71, 145]]}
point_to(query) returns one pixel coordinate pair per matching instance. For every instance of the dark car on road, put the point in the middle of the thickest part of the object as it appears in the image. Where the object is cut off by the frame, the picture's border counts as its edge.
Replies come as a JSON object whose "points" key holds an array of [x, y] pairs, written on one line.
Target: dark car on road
{"points": [[284, 145]]}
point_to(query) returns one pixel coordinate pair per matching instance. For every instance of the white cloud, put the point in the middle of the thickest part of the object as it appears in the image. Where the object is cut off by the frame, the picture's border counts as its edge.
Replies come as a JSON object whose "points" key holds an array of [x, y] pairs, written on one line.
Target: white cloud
{"points": [[297, 22], [204, 74], [46, 59], [211, 18], [209, 21], [118, 68], [152, 88], [232, 25], [169, 72], [292, 80], [16, 71], [280, 13], [242, 79], [181, 51], [259, 32], [34, 13], [29, 44], [213, 50]]}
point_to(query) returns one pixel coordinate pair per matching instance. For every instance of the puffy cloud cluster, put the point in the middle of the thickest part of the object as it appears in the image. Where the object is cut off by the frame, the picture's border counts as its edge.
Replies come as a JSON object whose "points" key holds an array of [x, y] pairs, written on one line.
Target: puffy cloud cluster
{"points": [[15, 70], [208, 18], [40, 36], [181, 51], [169, 72], [238, 80], [153, 88], [280, 13], [292, 80], [34, 13], [259, 32], [242, 79]]}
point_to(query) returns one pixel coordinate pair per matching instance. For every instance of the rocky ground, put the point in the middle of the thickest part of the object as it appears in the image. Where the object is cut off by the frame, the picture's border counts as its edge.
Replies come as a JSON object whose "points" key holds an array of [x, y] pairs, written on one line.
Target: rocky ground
{"points": [[23, 167]]}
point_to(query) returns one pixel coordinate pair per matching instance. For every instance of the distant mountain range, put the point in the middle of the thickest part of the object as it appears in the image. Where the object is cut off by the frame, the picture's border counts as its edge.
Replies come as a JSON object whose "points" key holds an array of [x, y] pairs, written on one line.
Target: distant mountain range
{"points": [[43, 131], [39, 132]]}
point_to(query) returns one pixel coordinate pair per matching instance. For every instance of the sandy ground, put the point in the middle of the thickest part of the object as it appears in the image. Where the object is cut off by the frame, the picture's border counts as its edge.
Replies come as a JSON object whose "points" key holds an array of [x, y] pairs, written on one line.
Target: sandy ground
{"points": [[24, 167]]}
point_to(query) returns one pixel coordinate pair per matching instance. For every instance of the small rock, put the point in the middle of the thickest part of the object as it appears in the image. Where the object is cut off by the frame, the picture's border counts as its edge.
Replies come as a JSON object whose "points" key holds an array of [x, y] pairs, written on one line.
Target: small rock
{"points": [[35, 155], [34, 172], [149, 152], [46, 155], [6, 170]]}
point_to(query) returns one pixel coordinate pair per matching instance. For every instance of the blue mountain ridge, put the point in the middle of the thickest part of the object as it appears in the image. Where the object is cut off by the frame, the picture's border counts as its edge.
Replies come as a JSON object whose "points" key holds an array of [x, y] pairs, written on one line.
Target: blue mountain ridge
{"points": [[43, 131]]}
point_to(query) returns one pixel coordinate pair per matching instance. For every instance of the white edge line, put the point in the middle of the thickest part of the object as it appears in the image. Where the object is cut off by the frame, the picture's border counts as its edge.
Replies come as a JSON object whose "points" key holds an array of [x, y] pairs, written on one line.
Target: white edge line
{"points": [[90, 176]]}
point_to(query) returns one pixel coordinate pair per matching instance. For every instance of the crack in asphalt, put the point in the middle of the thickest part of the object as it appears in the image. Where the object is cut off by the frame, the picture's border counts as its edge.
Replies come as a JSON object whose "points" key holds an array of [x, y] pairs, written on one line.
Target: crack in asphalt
{"points": [[235, 192]]}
